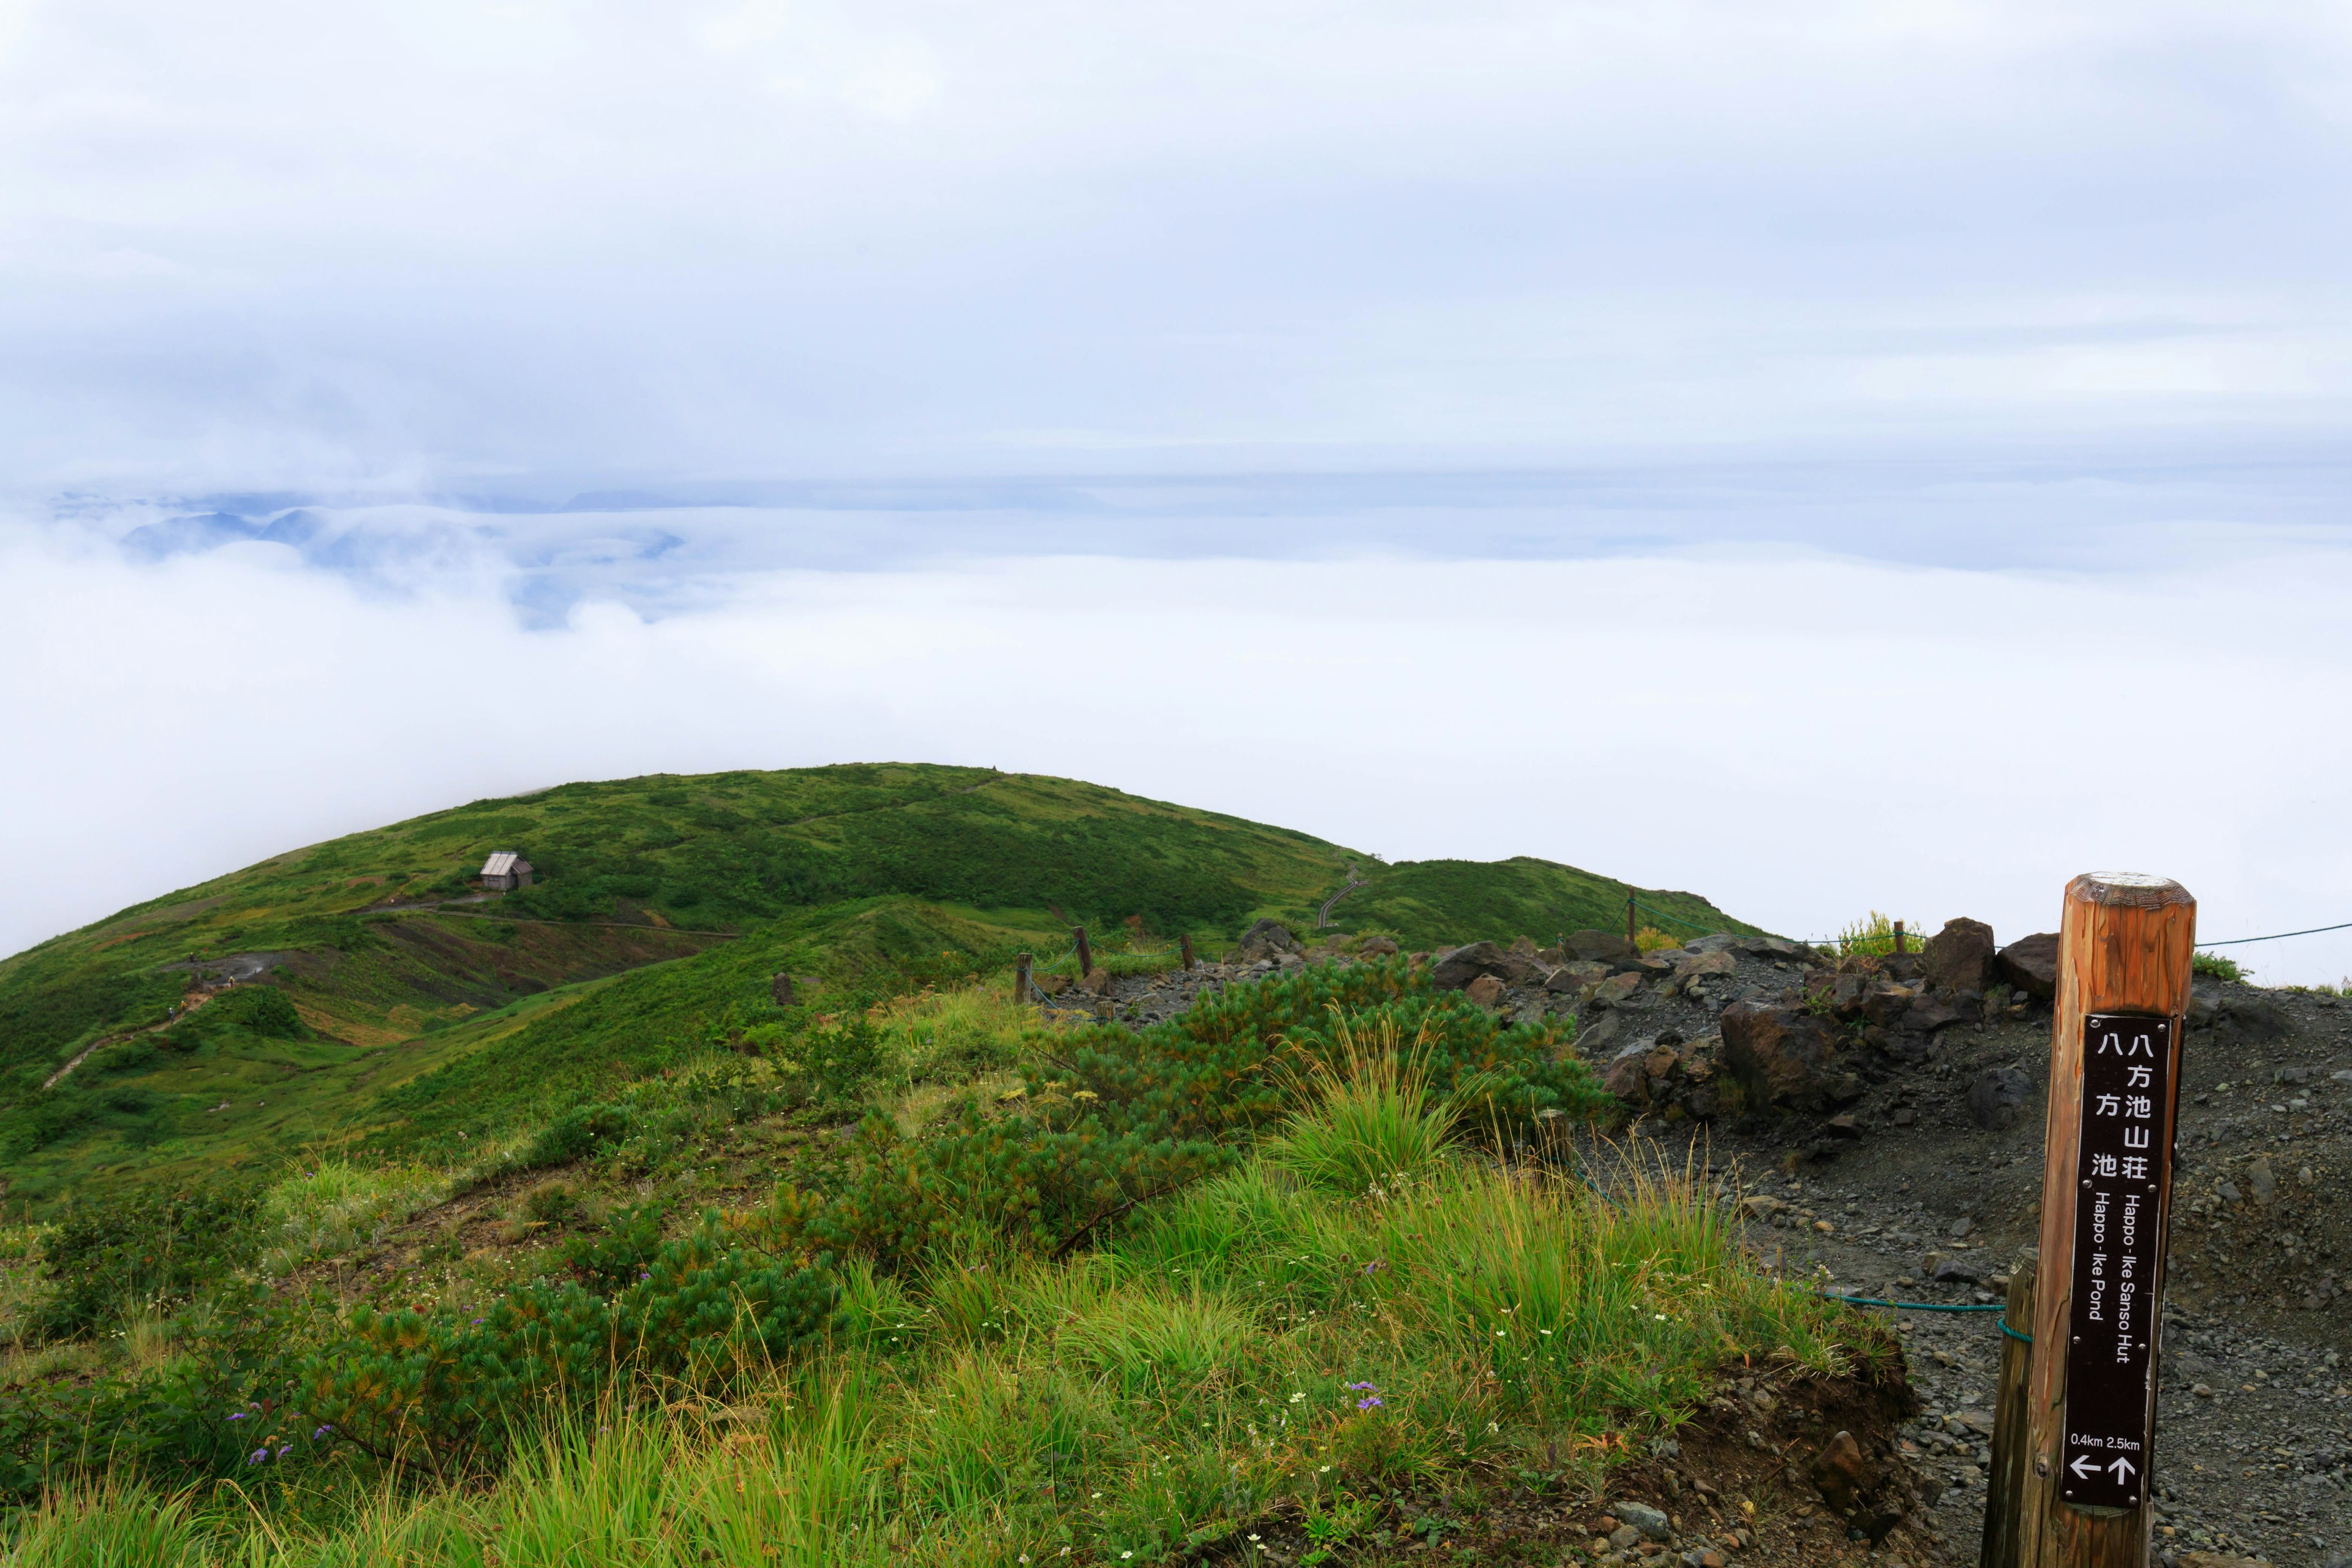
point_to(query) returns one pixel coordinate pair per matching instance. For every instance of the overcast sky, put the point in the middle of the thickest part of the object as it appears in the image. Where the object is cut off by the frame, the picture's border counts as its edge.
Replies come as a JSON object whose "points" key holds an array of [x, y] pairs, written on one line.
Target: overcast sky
{"points": [[1824, 456]]}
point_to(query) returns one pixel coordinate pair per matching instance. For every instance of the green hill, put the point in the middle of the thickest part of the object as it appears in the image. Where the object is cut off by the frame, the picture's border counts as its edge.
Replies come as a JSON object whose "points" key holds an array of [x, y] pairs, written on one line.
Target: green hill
{"points": [[664, 905]]}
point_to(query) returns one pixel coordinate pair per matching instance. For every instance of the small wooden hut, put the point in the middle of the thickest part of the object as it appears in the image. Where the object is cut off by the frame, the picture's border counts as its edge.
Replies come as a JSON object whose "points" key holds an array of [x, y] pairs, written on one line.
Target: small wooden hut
{"points": [[504, 871]]}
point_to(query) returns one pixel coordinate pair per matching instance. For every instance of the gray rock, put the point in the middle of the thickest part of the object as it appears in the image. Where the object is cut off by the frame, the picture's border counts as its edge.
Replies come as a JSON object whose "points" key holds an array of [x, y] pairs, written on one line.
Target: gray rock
{"points": [[2291, 1075], [2030, 965], [1375, 947], [2261, 1179], [1716, 942], [1956, 1271], [1574, 977], [1644, 1518], [780, 987], [1998, 1097], [1266, 940], [1597, 1036], [2229, 1191], [1625, 1538], [1614, 991], [1690, 964], [1960, 956], [1929, 1014], [1600, 947], [1457, 967]]}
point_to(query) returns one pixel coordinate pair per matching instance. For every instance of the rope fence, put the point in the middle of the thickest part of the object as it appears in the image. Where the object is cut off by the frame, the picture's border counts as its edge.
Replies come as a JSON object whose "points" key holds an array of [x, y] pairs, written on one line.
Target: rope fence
{"points": [[1933, 1307]]}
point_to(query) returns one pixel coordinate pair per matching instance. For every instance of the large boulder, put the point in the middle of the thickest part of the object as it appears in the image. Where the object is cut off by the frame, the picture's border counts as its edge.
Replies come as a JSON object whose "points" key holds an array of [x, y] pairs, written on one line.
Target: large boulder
{"points": [[1457, 967], [1572, 978], [1931, 1013], [1960, 956], [1785, 1057], [1600, 947], [1375, 947], [2030, 965], [1267, 939], [1689, 963]]}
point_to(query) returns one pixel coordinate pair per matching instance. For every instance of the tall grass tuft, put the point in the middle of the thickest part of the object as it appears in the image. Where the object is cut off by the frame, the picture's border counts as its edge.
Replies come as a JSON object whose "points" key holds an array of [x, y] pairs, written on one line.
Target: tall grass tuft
{"points": [[1367, 1118], [335, 1206], [1874, 937]]}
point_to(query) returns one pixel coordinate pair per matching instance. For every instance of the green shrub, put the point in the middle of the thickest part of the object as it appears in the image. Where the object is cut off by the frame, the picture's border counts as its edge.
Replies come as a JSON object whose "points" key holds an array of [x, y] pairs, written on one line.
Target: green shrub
{"points": [[1875, 937], [2214, 966], [263, 1010], [1115, 1116], [844, 1058], [582, 1130], [449, 1393], [108, 1261]]}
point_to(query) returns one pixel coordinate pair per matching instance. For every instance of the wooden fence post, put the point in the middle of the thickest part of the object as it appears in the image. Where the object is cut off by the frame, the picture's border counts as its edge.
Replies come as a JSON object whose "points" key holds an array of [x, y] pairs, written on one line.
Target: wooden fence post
{"points": [[1899, 936], [1021, 985], [2125, 946], [1184, 944], [1629, 932], [1085, 953], [2005, 1496]]}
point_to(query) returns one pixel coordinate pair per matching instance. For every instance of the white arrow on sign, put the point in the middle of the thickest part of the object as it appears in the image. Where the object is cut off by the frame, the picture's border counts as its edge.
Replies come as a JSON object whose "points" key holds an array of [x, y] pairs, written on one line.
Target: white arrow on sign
{"points": [[2083, 1466], [2122, 1469]]}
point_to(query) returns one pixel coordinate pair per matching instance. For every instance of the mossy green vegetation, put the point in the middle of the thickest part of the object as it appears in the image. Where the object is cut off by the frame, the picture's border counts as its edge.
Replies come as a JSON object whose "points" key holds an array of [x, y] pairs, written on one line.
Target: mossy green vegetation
{"points": [[1288, 1253], [664, 906]]}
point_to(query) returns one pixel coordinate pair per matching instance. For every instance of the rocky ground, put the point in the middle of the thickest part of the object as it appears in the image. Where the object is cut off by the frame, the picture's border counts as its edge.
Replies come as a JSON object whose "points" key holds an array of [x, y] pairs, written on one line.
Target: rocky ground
{"points": [[1883, 1123]]}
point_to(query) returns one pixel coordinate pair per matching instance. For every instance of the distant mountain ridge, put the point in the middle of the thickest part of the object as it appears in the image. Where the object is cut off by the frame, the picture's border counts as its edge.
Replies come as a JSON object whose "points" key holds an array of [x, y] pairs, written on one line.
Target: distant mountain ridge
{"points": [[710, 875]]}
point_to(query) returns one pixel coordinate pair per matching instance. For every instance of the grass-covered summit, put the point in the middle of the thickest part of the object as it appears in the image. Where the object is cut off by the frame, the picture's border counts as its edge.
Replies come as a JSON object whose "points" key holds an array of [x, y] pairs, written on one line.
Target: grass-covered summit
{"points": [[663, 906]]}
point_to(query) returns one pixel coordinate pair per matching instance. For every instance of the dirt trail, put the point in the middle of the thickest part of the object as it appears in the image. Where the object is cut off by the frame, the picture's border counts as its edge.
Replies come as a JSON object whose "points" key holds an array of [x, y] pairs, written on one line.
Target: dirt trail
{"points": [[181, 1010]]}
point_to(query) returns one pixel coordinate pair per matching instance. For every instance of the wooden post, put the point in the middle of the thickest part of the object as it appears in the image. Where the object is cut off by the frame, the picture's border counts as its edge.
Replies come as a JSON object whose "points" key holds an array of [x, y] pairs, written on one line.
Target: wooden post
{"points": [[1899, 936], [1184, 944], [1085, 953], [1629, 932], [1022, 985], [2005, 1494], [2124, 951]]}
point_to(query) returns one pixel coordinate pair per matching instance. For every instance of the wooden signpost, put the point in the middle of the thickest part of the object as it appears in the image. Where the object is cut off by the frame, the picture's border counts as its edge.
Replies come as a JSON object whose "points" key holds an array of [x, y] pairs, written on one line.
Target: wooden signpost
{"points": [[1021, 985], [2125, 946]]}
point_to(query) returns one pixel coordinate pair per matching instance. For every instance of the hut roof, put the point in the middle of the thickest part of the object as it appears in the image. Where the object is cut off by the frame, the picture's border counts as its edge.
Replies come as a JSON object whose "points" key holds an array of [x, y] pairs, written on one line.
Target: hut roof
{"points": [[503, 863]]}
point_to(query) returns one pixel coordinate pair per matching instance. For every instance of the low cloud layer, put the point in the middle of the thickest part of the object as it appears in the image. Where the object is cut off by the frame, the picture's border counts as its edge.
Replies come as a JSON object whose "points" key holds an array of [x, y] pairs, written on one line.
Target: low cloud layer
{"points": [[1801, 737]]}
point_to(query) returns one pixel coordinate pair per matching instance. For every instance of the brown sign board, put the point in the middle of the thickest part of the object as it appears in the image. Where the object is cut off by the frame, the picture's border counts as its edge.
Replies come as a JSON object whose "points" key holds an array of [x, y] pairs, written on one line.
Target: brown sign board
{"points": [[2123, 1158]]}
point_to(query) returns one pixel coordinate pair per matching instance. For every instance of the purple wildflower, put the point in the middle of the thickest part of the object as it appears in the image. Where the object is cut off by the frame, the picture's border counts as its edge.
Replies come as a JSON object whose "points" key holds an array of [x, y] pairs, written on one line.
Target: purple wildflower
{"points": [[1369, 1402], [322, 1432], [286, 1450], [259, 1455], [237, 1415], [1363, 1388]]}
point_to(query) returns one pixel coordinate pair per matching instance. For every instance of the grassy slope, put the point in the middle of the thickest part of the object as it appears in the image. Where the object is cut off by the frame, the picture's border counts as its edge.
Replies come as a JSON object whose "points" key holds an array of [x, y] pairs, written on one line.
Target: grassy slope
{"points": [[815, 869]]}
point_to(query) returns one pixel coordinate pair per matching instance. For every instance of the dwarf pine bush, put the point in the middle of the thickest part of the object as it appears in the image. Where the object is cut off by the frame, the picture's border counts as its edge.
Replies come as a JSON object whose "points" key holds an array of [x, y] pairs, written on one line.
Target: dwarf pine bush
{"points": [[1113, 1117]]}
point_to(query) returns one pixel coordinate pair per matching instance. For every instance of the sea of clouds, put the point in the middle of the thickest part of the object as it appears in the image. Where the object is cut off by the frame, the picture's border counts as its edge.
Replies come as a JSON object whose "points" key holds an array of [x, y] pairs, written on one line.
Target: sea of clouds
{"points": [[1801, 735]]}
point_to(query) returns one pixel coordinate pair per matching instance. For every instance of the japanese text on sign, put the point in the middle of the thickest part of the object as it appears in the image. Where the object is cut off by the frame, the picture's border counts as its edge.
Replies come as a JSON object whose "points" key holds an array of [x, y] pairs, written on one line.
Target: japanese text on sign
{"points": [[2125, 1149]]}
